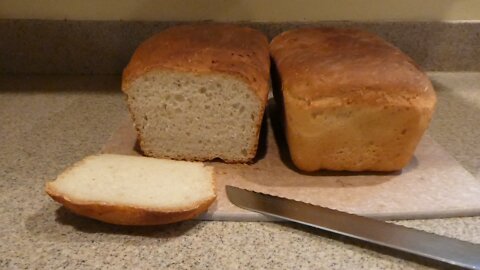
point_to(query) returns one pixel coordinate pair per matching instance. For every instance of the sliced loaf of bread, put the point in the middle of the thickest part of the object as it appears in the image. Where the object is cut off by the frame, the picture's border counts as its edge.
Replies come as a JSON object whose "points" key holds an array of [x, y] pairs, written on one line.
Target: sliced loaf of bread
{"points": [[198, 92], [131, 190]]}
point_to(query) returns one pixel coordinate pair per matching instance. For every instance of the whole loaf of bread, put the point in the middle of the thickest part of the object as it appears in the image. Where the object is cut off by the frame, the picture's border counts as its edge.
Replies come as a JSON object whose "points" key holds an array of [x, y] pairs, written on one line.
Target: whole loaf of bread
{"points": [[352, 101]]}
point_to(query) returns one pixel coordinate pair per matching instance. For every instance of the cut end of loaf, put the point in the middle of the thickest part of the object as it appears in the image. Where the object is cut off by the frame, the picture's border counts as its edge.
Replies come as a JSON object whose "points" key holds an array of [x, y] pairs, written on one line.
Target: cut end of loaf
{"points": [[189, 116], [131, 190]]}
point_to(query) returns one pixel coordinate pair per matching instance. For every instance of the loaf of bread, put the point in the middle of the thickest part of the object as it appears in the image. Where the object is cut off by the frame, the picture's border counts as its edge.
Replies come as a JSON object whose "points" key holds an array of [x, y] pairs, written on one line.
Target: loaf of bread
{"points": [[352, 101], [198, 92], [130, 190]]}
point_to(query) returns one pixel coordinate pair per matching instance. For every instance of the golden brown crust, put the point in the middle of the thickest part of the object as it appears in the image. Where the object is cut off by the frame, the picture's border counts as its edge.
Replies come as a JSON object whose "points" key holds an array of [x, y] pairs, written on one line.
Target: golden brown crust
{"points": [[351, 65], [353, 137], [125, 214], [352, 101], [205, 48]]}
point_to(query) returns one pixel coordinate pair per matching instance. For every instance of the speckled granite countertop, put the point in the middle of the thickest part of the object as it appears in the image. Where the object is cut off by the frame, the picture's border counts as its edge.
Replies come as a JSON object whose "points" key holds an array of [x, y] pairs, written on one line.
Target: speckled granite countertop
{"points": [[48, 122]]}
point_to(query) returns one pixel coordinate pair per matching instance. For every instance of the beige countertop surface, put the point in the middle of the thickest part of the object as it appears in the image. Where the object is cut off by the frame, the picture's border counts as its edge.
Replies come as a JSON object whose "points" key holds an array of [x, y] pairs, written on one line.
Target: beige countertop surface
{"points": [[49, 122]]}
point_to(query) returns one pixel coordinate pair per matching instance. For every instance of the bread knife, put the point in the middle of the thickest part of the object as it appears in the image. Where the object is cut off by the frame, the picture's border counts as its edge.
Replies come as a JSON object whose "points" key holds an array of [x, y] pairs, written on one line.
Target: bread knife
{"points": [[424, 244]]}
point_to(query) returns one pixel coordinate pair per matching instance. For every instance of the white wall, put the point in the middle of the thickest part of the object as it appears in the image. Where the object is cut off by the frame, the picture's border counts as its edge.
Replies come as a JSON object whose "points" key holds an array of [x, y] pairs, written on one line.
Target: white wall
{"points": [[243, 10]]}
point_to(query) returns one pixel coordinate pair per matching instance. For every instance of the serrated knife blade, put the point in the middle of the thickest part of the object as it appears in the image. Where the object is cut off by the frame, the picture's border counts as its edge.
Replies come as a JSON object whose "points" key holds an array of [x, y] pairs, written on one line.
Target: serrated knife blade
{"points": [[436, 247]]}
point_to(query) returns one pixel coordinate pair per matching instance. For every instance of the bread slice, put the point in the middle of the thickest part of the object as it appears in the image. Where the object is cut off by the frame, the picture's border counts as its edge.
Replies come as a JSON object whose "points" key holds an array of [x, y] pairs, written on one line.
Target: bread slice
{"points": [[198, 92], [131, 190]]}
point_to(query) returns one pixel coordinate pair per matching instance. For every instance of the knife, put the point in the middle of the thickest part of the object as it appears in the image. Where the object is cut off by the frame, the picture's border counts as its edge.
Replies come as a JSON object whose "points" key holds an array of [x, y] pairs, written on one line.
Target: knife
{"points": [[432, 246]]}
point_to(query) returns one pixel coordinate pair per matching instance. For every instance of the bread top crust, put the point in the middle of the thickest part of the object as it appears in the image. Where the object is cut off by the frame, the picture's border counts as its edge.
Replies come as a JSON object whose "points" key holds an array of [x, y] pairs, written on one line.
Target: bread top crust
{"points": [[205, 48], [349, 65]]}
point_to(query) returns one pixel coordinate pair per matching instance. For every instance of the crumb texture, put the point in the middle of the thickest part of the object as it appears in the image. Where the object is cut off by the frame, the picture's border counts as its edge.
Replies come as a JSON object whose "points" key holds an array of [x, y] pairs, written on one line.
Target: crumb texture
{"points": [[139, 182], [188, 116]]}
